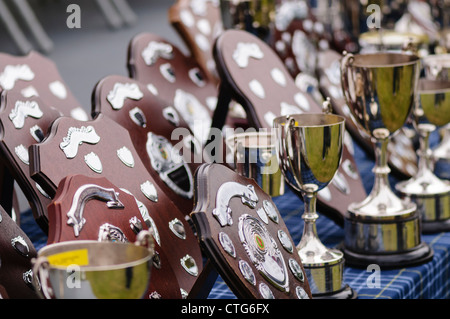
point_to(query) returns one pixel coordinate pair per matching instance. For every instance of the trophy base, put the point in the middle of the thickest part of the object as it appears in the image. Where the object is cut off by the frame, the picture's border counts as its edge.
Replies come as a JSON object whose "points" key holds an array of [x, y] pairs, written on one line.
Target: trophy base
{"points": [[432, 227], [434, 207], [420, 255], [326, 279], [345, 293], [389, 241]]}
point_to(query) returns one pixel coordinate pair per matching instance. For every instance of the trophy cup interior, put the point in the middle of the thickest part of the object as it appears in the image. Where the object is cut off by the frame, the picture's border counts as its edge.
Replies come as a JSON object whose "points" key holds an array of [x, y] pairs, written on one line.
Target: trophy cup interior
{"points": [[88, 269], [431, 194], [380, 92], [309, 148], [254, 156]]}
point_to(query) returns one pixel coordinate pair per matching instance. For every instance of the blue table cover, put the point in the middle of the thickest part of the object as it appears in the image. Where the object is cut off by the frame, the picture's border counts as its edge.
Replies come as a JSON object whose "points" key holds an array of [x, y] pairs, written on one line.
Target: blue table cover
{"points": [[427, 281]]}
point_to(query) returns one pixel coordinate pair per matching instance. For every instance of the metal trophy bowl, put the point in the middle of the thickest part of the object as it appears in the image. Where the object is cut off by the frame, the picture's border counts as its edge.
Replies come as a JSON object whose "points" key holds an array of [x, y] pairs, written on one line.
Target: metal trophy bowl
{"points": [[254, 16], [437, 67], [254, 156], [309, 148], [88, 269], [380, 90], [429, 192]]}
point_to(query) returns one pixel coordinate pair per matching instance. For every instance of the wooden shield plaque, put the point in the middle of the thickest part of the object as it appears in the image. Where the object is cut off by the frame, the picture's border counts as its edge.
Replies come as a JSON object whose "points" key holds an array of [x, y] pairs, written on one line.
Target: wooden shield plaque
{"points": [[402, 157], [95, 209], [25, 121], [160, 135], [245, 236], [198, 23], [175, 78], [103, 148], [36, 75], [17, 250], [253, 75]]}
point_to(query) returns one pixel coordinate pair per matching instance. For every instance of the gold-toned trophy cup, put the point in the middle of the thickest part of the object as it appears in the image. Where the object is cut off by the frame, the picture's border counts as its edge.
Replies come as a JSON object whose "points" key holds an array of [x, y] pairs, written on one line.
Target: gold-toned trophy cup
{"points": [[437, 67], [254, 16], [429, 192], [380, 90], [254, 156], [309, 148], [88, 269]]}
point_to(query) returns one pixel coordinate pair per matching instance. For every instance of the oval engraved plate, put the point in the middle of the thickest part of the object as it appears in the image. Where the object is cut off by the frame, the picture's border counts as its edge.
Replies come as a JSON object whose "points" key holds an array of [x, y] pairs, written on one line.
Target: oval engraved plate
{"points": [[285, 241], [227, 244], [265, 291], [301, 293], [247, 272], [271, 211], [296, 270], [263, 251]]}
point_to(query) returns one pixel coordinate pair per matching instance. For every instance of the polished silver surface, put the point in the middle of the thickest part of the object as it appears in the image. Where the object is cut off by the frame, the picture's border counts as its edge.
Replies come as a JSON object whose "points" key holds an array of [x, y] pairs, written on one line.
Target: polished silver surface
{"points": [[76, 137], [380, 89], [437, 67], [94, 270], [309, 148], [170, 165], [226, 192], [75, 215], [429, 192], [263, 252], [256, 17], [255, 157]]}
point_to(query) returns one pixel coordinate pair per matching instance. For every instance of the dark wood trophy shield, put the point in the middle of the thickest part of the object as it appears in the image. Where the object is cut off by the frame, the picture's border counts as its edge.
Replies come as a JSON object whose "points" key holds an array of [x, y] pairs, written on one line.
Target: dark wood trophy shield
{"points": [[86, 208], [254, 75], [103, 148], [198, 24], [36, 75], [16, 252], [402, 157], [175, 78], [161, 137], [243, 233], [180, 81], [25, 121]]}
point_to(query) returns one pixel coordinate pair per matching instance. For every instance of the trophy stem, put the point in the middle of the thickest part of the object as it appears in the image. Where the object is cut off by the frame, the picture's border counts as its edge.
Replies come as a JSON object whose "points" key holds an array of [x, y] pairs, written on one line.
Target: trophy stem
{"points": [[425, 154], [381, 169], [309, 217]]}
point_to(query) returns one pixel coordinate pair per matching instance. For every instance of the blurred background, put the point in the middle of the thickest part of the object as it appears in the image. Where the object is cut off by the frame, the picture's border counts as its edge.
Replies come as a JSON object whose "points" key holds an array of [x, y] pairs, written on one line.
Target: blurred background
{"points": [[85, 55]]}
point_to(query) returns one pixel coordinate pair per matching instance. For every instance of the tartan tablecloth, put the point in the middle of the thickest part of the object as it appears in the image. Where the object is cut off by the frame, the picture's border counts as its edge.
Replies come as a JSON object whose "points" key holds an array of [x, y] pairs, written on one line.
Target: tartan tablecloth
{"points": [[427, 281]]}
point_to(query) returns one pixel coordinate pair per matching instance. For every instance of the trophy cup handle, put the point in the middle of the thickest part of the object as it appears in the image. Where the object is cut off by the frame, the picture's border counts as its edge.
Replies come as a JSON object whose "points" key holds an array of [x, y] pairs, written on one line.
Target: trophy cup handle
{"points": [[41, 276], [346, 61]]}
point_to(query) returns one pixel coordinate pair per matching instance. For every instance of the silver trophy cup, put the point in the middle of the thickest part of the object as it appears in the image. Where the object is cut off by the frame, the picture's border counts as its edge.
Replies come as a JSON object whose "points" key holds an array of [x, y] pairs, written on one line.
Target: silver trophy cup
{"points": [[437, 67], [88, 269], [429, 192], [309, 148], [254, 156], [380, 90]]}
